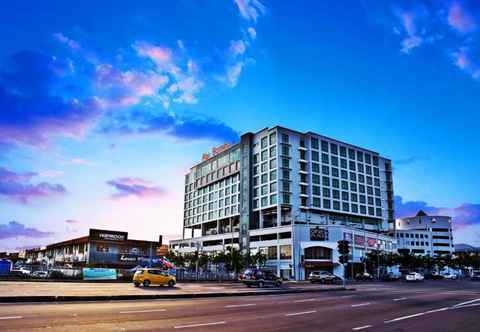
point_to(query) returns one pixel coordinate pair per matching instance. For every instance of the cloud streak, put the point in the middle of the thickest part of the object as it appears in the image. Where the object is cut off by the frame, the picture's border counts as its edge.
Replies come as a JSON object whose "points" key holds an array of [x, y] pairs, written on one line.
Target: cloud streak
{"points": [[14, 229], [18, 187], [131, 186]]}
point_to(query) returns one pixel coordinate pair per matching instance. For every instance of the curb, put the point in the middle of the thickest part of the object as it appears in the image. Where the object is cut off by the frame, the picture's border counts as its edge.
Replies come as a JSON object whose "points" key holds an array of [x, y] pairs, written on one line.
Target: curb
{"points": [[103, 298]]}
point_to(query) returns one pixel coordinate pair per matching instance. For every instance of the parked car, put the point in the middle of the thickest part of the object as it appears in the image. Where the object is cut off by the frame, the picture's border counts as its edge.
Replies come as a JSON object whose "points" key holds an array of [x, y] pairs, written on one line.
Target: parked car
{"points": [[414, 276], [40, 274], [475, 276], [260, 278], [450, 276], [18, 274], [324, 277], [365, 276], [390, 277], [149, 276]]}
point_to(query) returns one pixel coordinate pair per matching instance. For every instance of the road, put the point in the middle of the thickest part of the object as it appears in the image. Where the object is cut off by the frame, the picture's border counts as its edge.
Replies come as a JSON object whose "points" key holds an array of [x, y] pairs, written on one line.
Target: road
{"points": [[397, 306]]}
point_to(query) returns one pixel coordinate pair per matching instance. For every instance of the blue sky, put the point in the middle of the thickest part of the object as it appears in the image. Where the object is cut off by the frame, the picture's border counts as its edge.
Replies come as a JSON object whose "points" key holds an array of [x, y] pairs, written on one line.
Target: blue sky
{"points": [[105, 105]]}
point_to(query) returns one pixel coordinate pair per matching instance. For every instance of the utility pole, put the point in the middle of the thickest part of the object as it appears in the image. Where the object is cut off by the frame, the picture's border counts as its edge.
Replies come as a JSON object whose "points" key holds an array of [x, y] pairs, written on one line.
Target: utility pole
{"points": [[343, 250]]}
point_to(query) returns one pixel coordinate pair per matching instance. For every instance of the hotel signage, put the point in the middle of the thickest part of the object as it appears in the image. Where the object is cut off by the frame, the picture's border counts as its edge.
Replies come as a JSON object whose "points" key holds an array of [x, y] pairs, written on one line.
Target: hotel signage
{"points": [[98, 234]]}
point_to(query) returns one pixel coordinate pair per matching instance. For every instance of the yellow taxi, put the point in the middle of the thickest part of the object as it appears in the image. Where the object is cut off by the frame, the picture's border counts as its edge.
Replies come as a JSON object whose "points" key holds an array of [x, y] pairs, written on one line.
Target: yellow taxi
{"points": [[149, 276]]}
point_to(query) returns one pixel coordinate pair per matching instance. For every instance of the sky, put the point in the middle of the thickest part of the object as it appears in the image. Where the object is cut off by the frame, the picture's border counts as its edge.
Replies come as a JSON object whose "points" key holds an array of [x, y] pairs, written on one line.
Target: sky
{"points": [[104, 106]]}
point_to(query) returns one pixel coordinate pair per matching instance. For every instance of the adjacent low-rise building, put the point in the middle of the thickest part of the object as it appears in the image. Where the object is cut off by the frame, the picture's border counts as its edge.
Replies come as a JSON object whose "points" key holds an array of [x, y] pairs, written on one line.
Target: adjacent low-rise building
{"points": [[291, 195], [101, 248], [425, 235]]}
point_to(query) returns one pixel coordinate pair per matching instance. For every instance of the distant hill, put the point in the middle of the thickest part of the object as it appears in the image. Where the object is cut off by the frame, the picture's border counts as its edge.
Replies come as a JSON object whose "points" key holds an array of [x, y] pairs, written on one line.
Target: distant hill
{"points": [[465, 247]]}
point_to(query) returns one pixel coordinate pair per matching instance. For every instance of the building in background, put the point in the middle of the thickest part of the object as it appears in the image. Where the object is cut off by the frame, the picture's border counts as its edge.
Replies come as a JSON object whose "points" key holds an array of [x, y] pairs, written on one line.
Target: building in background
{"points": [[101, 248], [425, 235], [291, 195]]}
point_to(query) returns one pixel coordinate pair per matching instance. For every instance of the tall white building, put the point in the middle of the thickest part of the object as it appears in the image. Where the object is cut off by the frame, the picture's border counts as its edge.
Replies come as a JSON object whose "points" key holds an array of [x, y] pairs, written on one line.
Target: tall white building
{"points": [[292, 195], [425, 235]]}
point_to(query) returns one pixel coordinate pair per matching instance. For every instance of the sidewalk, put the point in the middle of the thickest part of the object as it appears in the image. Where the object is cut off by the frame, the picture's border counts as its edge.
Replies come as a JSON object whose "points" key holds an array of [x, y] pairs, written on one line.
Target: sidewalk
{"points": [[70, 291]]}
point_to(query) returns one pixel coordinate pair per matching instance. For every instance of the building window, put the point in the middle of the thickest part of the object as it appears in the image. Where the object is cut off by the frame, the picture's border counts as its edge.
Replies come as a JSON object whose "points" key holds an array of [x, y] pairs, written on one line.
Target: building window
{"points": [[315, 156], [273, 175], [316, 201], [272, 252], [326, 192], [325, 158], [315, 168], [284, 138], [314, 142], [273, 163], [286, 252], [273, 199], [264, 142], [273, 138], [102, 248], [316, 179], [285, 162], [326, 204], [273, 152], [324, 146], [273, 187], [336, 205]]}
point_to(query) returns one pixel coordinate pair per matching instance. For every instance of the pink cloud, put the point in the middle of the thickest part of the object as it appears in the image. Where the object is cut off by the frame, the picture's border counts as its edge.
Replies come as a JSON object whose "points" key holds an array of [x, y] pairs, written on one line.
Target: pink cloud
{"points": [[74, 45], [237, 47], [250, 9], [159, 55], [459, 19], [137, 187]]}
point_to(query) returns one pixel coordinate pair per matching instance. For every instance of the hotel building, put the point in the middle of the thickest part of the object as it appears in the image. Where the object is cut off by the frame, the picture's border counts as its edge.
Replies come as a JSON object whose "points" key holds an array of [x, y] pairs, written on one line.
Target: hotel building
{"points": [[292, 195], [425, 235]]}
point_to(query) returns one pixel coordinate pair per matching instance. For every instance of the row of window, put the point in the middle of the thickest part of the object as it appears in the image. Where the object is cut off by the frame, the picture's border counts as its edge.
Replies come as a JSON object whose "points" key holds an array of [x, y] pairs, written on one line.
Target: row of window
{"points": [[342, 206], [343, 151], [412, 235]]}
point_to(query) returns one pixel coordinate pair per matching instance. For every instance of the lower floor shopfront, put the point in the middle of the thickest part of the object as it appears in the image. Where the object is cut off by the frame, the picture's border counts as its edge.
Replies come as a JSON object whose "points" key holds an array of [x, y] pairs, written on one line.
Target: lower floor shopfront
{"points": [[294, 251]]}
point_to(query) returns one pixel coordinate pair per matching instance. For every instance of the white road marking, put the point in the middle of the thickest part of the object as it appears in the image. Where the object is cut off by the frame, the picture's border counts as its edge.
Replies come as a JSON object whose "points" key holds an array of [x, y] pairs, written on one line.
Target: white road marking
{"points": [[468, 302], [301, 313], [400, 299], [361, 327], [11, 317], [304, 300], [436, 310], [141, 311], [360, 304], [198, 325], [404, 317], [346, 296], [240, 305], [467, 306]]}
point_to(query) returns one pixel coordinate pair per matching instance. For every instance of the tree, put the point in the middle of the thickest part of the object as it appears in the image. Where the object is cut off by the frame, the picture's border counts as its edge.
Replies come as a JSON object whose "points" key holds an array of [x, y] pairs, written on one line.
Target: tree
{"points": [[259, 259], [234, 261]]}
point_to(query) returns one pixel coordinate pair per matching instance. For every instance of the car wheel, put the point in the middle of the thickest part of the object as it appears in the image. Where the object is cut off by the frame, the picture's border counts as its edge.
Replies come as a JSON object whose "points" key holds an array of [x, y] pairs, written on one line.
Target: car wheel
{"points": [[137, 284], [261, 284], [278, 284], [146, 283], [171, 283], [249, 286]]}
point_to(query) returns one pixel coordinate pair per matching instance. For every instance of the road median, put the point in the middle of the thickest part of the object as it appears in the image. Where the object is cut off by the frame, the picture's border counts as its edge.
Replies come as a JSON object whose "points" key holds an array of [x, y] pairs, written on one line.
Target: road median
{"points": [[127, 297]]}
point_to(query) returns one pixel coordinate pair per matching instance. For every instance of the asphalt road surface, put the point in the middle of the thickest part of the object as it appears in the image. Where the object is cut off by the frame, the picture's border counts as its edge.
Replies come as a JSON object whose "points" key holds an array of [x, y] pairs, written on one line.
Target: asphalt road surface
{"points": [[396, 306]]}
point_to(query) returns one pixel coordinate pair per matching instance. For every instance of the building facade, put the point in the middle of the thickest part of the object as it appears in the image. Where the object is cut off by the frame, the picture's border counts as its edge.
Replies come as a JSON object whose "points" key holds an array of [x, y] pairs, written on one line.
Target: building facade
{"points": [[425, 235], [277, 189], [101, 248]]}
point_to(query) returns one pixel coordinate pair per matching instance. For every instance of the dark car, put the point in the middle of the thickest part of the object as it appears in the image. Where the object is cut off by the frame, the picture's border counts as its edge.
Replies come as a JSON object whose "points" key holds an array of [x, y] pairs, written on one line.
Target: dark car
{"points": [[390, 277], [475, 276], [324, 277], [364, 276], [260, 278]]}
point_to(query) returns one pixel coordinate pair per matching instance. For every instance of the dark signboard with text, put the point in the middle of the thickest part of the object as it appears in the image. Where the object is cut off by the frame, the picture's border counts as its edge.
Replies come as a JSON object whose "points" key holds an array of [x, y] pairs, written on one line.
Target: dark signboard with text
{"points": [[98, 234], [318, 234]]}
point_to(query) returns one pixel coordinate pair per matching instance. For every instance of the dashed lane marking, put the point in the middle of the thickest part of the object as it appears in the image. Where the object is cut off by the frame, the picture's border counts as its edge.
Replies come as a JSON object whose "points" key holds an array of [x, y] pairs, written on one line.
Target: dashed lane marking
{"points": [[400, 299], [304, 300], [361, 327], [11, 317], [141, 311], [360, 304], [404, 317], [301, 313], [240, 305], [198, 325]]}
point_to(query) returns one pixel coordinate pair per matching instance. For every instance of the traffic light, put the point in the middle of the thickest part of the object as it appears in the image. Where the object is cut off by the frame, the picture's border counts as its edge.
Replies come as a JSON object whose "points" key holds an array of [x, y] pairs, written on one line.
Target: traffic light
{"points": [[343, 247], [343, 250]]}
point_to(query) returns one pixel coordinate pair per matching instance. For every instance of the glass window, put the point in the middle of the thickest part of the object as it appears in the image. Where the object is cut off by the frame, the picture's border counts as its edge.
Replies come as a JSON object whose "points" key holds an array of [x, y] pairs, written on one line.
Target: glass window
{"points": [[273, 199], [264, 201], [344, 195], [345, 207], [325, 158], [314, 142], [286, 185], [336, 194], [343, 151], [273, 152], [344, 185], [333, 148], [272, 252], [368, 159], [264, 167], [360, 156], [336, 205], [315, 155], [264, 142], [316, 202], [273, 163], [335, 183], [264, 155], [351, 165], [286, 252], [325, 170], [315, 168], [273, 138], [334, 160], [264, 178], [351, 154], [324, 146], [285, 162], [273, 187], [354, 208], [353, 176], [335, 172], [326, 192], [344, 174], [273, 175], [343, 163], [326, 203], [354, 197], [316, 190], [316, 179], [326, 181]]}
